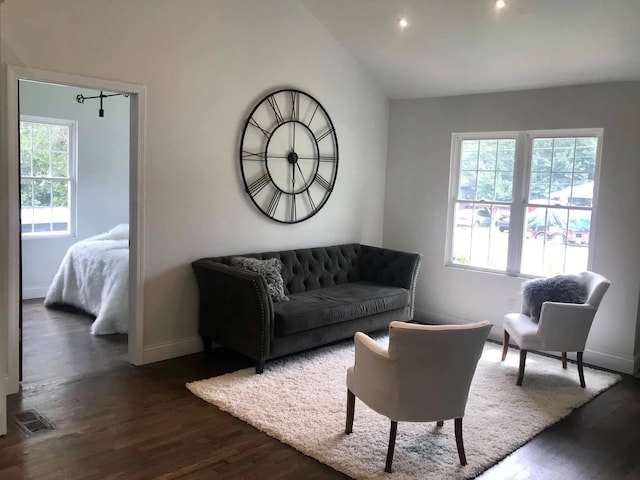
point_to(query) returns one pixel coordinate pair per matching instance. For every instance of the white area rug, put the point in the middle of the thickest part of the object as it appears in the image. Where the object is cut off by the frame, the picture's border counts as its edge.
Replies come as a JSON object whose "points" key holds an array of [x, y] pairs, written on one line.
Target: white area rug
{"points": [[301, 401]]}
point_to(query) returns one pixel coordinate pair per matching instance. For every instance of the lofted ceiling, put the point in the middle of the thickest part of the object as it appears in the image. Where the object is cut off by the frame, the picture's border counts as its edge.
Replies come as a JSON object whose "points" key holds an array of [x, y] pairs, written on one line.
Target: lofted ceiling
{"points": [[456, 47]]}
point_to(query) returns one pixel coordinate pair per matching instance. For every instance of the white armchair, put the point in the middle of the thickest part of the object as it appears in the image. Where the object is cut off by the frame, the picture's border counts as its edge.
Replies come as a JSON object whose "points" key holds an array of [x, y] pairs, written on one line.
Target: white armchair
{"points": [[424, 375], [563, 327]]}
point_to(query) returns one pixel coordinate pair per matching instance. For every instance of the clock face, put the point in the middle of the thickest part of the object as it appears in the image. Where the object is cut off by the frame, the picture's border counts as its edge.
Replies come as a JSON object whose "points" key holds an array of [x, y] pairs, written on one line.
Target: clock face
{"points": [[289, 156]]}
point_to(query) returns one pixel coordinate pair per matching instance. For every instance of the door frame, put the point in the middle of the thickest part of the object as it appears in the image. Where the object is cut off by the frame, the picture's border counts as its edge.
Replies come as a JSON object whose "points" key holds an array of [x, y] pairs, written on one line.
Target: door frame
{"points": [[137, 109]]}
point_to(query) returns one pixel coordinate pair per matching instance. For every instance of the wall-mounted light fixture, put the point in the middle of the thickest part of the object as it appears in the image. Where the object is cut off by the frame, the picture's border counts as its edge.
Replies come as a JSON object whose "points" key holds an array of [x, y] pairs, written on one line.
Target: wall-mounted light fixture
{"points": [[81, 98]]}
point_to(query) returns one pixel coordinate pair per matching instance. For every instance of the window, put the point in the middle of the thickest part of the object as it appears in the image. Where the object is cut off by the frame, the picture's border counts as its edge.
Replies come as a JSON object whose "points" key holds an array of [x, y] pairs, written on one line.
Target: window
{"points": [[47, 176], [522, 202]]}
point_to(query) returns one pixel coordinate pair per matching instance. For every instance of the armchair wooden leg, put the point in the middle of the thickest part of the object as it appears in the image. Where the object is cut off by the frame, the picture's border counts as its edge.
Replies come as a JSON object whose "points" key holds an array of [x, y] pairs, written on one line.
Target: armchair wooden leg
{"points": [[564, 360], [505, 345], [351, 406], [392, 446], [440, 423], [260, 366], [459, 443], [580, 370], [523, 359]]}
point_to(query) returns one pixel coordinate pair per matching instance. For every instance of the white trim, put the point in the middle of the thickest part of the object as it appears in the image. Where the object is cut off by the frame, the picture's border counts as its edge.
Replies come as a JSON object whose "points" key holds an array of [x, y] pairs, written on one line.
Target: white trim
{"points": [[177, 348], [137, 94], [37, 292], [591, 357]]}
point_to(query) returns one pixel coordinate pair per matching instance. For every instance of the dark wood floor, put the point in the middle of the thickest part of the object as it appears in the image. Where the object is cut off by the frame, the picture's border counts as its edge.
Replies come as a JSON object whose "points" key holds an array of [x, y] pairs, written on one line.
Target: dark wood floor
{"points": [[142, 423], [57, 344]]}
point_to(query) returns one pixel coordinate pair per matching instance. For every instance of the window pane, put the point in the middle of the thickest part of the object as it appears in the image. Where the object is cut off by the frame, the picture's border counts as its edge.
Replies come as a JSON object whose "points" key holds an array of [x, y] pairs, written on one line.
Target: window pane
{"points": [[59, 165], [468, 180], [486, 185], [25, 163], [488, 155], [60, 138], [504, 186], [563, 155], [41, 136], [60, 190], [41, 163], [539, 186], [541, 155], [482, 164], [469, 160], [554, 241], [480, 237], [25, 135], [42, 193], [560, 182], [506, 155], [26, 193]]}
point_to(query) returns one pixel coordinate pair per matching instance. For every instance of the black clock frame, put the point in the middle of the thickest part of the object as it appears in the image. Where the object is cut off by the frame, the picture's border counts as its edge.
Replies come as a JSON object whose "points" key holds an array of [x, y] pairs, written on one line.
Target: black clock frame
{"points": [[253, 188]]}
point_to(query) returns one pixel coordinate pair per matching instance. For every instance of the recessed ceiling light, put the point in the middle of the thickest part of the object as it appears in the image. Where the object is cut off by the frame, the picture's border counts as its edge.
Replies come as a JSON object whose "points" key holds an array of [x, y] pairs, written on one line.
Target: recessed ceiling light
{"points": [[403, 23], [500, 4]]}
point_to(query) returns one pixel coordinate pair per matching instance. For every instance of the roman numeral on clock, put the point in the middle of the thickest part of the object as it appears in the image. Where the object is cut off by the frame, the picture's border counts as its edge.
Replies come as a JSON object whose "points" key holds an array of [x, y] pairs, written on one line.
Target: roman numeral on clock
{"points": [[273, 204], [276, 109], [254, 123], [295, 105], [258, 185], [253, 157], [323, 182], [325, 135]]}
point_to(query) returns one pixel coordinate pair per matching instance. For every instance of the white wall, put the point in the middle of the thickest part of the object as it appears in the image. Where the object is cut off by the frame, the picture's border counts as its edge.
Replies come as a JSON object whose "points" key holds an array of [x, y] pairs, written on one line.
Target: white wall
{"points": [[205, 63], [417, 190], [103, 173]]}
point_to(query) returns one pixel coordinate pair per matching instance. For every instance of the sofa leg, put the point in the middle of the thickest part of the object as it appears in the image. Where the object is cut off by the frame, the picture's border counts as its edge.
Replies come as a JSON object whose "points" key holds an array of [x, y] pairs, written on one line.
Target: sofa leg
{"points": [[260, 366], [206, 344]]}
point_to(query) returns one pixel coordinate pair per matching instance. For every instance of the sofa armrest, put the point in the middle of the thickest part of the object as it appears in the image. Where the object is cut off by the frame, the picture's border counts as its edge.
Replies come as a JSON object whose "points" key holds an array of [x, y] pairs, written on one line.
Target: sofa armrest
{"points": [[236, 309], [391, 267]]}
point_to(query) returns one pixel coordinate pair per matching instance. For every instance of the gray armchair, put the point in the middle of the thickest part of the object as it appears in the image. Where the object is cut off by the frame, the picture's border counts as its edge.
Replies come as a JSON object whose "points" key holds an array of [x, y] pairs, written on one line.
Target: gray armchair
{"points": [[563, 327]]}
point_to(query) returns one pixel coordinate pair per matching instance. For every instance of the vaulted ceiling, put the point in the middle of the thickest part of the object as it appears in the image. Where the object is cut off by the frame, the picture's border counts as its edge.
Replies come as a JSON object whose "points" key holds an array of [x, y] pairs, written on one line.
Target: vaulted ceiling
{"points": [[454, 47]]}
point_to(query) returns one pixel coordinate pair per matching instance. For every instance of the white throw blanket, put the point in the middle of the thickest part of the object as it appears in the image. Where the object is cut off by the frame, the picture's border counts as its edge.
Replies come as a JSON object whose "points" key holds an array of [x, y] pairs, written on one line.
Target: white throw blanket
{"points": [[94, 276]]}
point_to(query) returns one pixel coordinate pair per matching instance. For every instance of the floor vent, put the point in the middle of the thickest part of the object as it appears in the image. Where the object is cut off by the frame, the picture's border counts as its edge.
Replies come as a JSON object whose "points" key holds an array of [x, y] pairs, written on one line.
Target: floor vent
{"points": [[32, 422]]}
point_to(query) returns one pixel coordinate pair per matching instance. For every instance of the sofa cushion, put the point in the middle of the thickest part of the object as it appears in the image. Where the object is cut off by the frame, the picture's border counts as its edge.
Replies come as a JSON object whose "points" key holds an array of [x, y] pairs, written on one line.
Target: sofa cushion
{"points": [[340, 303], [270, 269]]}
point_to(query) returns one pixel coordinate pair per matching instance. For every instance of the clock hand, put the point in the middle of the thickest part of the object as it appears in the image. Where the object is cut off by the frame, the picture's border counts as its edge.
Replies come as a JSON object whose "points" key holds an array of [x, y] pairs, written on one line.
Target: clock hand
{"points": [[293, 177], [302, 174]]}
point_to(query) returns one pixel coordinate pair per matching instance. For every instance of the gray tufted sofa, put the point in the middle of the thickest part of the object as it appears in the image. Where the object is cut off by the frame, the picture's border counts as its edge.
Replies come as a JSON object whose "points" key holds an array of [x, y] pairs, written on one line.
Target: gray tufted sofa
{"points": [[334, 292]]}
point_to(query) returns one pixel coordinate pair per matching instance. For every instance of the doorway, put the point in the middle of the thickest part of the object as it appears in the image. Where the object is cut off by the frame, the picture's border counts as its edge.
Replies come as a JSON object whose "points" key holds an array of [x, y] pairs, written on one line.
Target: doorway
{"points": [[74, 189], [136, 98]]}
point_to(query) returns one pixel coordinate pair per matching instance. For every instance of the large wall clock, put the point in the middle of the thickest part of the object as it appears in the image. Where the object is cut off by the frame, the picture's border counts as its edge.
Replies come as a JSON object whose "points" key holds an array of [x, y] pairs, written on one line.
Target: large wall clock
{"points": [[289, 156]]}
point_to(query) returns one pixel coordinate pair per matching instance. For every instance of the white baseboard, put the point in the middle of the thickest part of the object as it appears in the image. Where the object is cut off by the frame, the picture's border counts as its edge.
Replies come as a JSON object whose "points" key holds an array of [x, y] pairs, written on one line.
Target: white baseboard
{"points": [[592, 357], [38, 292], [166, 350]]}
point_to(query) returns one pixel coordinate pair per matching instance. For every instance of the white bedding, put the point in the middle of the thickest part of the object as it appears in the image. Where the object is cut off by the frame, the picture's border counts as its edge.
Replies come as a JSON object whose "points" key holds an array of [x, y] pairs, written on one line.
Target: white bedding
{"points": [[94, 276]]}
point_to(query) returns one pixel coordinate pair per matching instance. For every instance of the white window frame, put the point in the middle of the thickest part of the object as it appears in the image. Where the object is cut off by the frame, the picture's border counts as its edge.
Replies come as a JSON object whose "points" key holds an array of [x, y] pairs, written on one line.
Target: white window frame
{"points": [[520, 195], [72, 178]]}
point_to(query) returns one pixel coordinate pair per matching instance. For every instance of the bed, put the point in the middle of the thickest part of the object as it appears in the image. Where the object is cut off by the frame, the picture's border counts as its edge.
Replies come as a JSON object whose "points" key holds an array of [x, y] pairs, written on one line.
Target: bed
{"points": [[94, 276]]}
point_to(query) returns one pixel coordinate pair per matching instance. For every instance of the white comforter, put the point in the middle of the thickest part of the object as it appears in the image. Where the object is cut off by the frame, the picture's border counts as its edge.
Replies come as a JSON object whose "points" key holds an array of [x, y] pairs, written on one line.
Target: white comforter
{"points": [[94, 276]]}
